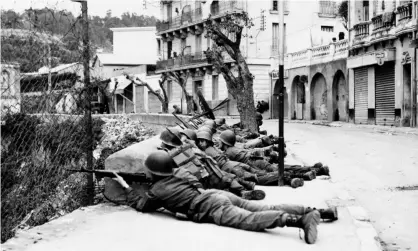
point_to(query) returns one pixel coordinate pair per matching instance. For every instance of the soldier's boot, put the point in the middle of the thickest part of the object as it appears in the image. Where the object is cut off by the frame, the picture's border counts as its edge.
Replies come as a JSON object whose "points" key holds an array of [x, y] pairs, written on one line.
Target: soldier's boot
{"points": [[330, 214], [248, 185], [294, 182], [253, 195], [264, 132], [320, 169], [308, 223], [311, 175]]}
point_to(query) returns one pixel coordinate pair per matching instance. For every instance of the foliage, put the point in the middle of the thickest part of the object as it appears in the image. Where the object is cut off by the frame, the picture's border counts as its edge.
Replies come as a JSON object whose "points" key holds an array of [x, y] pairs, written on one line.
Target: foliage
{"points": [[343, 12], [35, 152]]}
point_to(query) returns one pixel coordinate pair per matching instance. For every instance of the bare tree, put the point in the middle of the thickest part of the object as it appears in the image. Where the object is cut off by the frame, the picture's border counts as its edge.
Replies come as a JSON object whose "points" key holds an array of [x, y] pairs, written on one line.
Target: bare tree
{"points": [[226, 36], [181, 79], [343, 13], [161, 95]]}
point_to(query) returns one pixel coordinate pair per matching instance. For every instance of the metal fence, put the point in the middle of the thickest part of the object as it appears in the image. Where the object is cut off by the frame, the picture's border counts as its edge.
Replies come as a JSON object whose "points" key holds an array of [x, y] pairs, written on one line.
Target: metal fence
{"points": [[46, 124]]}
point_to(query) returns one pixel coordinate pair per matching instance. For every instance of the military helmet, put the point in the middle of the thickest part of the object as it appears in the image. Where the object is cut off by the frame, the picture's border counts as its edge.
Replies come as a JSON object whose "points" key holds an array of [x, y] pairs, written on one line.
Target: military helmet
{"points": [[220, 122], [210, 123], [160, 163], [208, 129], [170, 138], [204, 135], [228, 138], [190, 134]]}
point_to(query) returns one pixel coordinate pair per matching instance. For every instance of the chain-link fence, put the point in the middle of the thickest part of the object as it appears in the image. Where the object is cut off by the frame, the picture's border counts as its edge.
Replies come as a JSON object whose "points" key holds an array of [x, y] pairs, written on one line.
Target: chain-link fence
{"points": [[45, 124]]}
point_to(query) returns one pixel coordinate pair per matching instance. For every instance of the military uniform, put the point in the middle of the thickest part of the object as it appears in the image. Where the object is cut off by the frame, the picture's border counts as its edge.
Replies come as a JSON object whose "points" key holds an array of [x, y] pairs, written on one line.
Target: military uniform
{"points": [[185, 195]]}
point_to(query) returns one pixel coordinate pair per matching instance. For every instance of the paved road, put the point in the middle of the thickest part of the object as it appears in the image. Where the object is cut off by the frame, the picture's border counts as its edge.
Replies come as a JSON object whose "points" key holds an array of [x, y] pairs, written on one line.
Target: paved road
{"points": [[379, 170]]}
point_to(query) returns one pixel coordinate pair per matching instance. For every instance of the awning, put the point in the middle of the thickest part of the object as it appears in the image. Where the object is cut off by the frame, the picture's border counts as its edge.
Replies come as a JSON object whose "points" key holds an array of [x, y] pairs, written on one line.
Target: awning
{"points": [[122, 84]]}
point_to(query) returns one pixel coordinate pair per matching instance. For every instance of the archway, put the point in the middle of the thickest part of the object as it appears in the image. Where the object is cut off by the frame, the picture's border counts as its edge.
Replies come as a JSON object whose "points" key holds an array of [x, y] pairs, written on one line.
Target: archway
{"points": [[275, 101], [186, 14], [298, 97], [319, 109], [339, 97]]}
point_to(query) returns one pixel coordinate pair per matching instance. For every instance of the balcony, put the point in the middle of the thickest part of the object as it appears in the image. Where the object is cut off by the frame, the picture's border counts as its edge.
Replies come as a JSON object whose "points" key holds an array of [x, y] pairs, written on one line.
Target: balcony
{"points": [[405, 11], [188, 18], [383, 22], [361, 29], [198, 58]]}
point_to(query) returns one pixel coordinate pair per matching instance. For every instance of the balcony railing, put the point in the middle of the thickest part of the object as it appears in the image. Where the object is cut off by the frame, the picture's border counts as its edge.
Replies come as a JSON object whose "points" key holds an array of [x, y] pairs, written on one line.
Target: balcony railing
{"points": [[327, 9], [195, 16], [405, 11], [383, 21], [182, 61], [361, 29], [320, 51]]}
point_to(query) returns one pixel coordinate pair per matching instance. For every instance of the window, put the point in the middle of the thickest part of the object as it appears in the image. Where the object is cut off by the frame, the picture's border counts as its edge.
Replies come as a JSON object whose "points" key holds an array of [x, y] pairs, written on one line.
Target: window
{"points": [[275, 6], [275, 46], [366, 10], [198, 43], [327, 28], [215, 87]]}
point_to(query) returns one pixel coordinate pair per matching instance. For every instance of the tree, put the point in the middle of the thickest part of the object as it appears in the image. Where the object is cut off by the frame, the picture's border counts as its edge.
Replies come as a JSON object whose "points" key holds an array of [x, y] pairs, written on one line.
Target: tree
{"points": [[181, 79], [226, 36], [161, 95], [343, 13]]}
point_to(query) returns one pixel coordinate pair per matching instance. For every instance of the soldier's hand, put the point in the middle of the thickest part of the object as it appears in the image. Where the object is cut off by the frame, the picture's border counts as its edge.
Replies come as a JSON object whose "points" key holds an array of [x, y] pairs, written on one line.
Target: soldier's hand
{"points": [[120, 180]]}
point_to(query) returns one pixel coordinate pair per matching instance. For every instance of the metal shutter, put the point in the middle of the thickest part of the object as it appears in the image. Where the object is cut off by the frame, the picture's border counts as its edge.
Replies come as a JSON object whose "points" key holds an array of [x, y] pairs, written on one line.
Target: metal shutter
{"points": [[360, 95], [385, 94]]}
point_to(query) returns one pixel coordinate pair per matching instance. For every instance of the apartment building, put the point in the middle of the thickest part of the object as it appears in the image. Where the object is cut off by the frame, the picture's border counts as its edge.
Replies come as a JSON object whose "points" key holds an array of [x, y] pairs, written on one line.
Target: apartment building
{"points": [[382, 67], [183, 41]]}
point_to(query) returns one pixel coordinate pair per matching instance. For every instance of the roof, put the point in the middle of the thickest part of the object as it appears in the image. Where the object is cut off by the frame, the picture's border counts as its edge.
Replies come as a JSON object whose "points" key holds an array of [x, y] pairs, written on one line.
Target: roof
{"points": [[58, 69], [113, 59], [148, 28]]}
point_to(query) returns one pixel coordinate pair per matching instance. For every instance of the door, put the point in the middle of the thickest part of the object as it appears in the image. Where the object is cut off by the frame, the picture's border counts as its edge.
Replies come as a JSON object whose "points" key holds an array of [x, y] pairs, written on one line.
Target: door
{"points": [[385, 94], [360, 95], [197, 85], [169, 12], [169, 48]]}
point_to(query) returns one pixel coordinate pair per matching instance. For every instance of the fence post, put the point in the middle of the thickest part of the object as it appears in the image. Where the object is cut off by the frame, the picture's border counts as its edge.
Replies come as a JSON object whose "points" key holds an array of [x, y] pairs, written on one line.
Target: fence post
{"points": [[87, 99]]}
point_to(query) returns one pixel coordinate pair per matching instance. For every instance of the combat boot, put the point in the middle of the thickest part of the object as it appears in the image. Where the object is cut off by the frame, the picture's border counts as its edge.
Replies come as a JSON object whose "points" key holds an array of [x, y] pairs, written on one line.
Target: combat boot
{"points": [[321, 169], [253, 195], [296, 182], [251, 177], [311, 175], [308, 223], [330, 214]]}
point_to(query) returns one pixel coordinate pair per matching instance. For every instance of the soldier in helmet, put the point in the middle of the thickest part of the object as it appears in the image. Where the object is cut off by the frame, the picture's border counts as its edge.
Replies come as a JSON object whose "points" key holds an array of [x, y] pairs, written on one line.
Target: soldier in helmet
{"points": [[191, 160], [254, 158], [186, 195], [242, 170]]}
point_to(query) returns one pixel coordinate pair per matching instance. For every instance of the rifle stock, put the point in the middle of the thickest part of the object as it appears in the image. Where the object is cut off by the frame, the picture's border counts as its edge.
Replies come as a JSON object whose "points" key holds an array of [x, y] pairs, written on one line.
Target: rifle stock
{"points": [[128, 177]]}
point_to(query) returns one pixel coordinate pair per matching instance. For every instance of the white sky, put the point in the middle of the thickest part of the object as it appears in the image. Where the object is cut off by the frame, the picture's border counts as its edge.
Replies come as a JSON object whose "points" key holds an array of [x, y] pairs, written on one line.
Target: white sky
{"points": [[95, 7]]}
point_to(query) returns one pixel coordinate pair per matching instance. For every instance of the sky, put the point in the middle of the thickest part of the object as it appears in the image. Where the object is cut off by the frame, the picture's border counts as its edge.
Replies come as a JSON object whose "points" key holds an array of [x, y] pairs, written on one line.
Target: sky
{"points": [[95, 7]]}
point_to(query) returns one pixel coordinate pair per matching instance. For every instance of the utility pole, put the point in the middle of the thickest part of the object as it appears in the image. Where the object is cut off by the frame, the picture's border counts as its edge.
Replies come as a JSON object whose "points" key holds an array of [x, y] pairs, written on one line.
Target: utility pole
{"points": [[281, 92], [87, 97], [414, 82]]}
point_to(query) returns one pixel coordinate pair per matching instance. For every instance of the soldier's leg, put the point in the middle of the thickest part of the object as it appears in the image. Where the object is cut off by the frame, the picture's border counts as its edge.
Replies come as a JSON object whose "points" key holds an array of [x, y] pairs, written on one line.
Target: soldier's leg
{"points": [[219, 209], [264, 165], [253, 143]]}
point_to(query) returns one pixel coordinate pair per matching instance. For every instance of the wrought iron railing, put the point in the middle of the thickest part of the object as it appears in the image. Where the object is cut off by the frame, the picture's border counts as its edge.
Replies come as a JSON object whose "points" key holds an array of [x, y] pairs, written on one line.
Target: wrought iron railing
{"points": [[182, 61], [405, 11], [383, 21]]}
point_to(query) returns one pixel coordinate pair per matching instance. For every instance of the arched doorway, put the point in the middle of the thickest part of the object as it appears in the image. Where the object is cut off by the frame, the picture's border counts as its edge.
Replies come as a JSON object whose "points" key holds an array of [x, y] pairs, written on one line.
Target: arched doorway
{"points": [[298, 97], [275, 101], [319, 109], [339, 97]]}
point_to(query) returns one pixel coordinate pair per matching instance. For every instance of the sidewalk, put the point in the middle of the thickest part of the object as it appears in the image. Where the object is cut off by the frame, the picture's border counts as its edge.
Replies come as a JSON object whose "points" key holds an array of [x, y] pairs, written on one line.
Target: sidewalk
{"points": [[107, 227]]}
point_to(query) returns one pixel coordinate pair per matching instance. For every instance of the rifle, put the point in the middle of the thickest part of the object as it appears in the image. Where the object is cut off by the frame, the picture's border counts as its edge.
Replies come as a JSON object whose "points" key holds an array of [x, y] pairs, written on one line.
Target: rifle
{"points": [[128, 177]]}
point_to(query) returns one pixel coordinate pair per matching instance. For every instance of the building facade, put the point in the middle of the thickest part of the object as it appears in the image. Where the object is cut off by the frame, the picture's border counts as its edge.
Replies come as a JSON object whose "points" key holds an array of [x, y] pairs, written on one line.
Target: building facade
{"points": [[382, 62], [183, 41], [10, 88]]}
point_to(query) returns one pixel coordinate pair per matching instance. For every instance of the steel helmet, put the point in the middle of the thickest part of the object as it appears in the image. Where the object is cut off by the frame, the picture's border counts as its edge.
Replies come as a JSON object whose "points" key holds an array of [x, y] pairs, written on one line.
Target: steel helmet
{"points": [[204, 135], [220, 122], [210, 123], [170, 138], [208, 129], [190, 134], [228, 138], [160, 163]]}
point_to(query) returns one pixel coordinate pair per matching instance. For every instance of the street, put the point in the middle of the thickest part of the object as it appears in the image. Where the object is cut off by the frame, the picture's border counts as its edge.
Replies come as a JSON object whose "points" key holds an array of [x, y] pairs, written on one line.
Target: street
{"points": [[379, 170]]}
